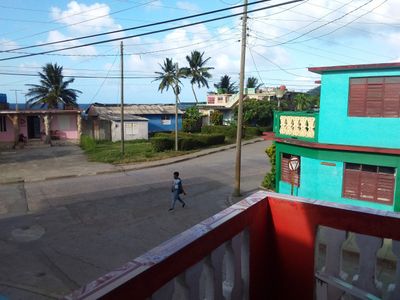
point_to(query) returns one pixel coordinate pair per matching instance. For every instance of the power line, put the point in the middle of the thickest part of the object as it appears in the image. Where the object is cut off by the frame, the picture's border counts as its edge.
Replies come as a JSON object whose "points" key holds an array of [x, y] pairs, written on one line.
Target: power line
{"points": [[149, 33], [323, 25], [133, 28], [324, 40], [107, 76], [276, 65], [77, 23], [78, 76], [255, 66], [340, 27]]}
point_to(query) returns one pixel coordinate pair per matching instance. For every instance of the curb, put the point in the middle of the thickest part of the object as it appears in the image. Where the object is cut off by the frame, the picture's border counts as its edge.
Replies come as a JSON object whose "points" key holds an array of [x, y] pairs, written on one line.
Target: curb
{"points": [[139, 166]]}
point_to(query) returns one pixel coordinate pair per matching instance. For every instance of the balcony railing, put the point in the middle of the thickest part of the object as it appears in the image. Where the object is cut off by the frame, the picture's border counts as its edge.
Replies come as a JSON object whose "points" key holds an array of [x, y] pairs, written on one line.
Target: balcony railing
{"points": [[268, 246], [301, 125]]}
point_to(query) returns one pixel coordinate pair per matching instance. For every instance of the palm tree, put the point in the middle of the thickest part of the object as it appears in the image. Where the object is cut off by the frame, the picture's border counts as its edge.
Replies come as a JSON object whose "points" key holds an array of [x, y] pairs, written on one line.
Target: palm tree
{"points": [[170, 78], [252, 83], [197, 70], [225, 86], [52, 90]]}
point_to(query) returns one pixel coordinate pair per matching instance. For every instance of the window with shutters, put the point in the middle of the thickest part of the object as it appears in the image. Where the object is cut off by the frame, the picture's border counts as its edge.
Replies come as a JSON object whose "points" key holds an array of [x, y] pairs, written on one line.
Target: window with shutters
{"points": [[286, 174], [369, 183], [374, 97]]}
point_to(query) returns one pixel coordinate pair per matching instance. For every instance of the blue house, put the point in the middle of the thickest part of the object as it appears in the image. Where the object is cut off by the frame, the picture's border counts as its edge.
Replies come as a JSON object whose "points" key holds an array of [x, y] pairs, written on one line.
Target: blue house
{"points": [[161, 117]]}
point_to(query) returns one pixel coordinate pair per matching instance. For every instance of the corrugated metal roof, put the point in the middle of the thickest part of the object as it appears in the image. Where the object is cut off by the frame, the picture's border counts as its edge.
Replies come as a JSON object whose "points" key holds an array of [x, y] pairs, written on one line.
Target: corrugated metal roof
{"points": [[117, 117], [136, 109]]}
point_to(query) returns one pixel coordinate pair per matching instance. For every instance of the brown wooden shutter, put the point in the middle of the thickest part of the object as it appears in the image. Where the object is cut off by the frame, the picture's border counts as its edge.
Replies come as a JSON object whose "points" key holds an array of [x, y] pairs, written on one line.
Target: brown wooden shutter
{"points": [[351, 184], [385, 190], [391, 100], [285, 172], [368, 185], [374, 97], [357, 96]]}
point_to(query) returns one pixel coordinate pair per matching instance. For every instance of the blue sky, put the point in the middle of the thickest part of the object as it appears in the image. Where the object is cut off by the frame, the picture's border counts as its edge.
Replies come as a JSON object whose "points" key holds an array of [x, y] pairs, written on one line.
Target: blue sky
{"points": [[282, 42]]}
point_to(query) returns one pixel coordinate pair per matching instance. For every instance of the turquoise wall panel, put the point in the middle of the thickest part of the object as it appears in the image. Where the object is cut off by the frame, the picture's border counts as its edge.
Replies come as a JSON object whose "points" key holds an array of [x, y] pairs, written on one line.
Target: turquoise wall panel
{"points": [[324, 182], [320, 181], [285, 188], [336, 127]]}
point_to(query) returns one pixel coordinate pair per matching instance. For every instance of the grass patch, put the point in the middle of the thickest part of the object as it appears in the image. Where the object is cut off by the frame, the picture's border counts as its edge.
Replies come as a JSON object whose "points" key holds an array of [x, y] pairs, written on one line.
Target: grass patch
{"points": [[135, 151]]}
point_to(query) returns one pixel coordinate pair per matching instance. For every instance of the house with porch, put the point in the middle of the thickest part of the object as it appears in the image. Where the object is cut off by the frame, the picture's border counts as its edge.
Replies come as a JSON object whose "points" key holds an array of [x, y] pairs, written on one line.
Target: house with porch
{"points": [[226, 103], [38, 126], [349, 151]]}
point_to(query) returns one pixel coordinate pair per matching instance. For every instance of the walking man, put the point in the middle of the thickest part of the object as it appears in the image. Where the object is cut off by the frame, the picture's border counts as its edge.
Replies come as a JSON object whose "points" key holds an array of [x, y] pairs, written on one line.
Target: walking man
{"points": [[177, 189]]}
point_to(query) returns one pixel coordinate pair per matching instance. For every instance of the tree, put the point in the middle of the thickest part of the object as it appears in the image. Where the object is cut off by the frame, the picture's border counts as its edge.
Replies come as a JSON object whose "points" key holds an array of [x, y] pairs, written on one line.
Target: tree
{"points": [[53, 90], [252, 83], [224, 86], [192, 120], [197, 71], [305, 101], [170, 77], [257, 112], [216, 117]]}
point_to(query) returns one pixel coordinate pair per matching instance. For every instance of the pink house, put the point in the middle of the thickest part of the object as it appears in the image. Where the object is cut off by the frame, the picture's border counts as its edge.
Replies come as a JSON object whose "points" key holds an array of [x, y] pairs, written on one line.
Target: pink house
{"points": [[41, 125]]}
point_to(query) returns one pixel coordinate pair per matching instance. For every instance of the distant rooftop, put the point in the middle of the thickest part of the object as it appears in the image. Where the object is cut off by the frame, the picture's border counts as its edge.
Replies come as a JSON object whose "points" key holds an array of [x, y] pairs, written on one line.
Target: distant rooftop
{"points": [[320, 70], [134, 109]]}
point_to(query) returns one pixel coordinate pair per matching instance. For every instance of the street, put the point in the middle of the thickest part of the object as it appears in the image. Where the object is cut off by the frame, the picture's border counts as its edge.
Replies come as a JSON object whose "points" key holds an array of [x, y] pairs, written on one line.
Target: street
{"points": [[77, 229]]}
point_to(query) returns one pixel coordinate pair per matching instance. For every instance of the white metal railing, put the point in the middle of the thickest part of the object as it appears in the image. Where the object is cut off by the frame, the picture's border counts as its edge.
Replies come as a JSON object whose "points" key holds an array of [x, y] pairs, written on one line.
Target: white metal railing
{"points": [[301, 126], [333, 282]]}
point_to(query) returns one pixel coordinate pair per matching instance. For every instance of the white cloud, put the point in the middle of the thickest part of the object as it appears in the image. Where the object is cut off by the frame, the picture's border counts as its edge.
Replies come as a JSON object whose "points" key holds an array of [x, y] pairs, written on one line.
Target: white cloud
{"points": [[190, 7], [157, 4], [85, 19], [57, 36], [6, 44]]}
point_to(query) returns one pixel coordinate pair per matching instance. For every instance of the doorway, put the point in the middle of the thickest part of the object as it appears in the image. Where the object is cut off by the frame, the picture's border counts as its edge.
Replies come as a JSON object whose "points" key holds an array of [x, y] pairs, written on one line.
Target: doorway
{"points": [[33, 127]]}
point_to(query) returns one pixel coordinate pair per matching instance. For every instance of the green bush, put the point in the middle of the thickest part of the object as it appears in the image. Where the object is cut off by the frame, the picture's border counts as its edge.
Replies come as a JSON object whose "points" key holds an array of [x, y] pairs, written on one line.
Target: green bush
{"points": [[212, 139], [87, 143], [265, 129], [186, 141], [269, 181], [189, 143], [161, 144], [227, 131], [251, 131]]}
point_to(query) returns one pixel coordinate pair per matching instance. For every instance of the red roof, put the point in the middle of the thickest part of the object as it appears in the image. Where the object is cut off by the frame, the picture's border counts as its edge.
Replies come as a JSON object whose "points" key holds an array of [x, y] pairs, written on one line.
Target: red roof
{"points": [[321, 70]]}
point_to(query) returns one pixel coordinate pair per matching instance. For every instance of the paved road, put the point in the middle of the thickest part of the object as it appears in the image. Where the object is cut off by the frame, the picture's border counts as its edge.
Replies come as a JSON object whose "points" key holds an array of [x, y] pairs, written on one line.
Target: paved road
{"points": [[80, 228]]}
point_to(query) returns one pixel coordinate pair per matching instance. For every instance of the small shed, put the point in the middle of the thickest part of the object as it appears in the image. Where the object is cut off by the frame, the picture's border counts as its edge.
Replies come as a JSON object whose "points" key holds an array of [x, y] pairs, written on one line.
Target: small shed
{"points": [[135, 127]]}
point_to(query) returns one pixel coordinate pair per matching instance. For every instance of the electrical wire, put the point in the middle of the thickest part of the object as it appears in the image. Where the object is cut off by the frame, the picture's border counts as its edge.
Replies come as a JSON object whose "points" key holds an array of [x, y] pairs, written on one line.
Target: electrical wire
{"points": [[77, 23], [348, 23], [101, 85], [134, 28], [323, 25], [148, 33]]}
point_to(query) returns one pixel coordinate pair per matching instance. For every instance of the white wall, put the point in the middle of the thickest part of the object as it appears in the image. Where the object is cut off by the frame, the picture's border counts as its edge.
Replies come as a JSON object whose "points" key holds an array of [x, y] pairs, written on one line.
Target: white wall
{"points": [[134, 130]]}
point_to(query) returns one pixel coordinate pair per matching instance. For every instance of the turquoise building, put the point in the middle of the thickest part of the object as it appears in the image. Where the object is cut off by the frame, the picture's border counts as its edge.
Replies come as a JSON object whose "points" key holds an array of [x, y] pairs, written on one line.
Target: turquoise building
{"points": [[349, 151]]}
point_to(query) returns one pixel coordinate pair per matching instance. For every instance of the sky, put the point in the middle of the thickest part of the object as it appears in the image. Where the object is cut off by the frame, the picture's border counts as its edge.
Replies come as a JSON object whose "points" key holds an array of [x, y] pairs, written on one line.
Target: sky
{"points": [[282, 42]]}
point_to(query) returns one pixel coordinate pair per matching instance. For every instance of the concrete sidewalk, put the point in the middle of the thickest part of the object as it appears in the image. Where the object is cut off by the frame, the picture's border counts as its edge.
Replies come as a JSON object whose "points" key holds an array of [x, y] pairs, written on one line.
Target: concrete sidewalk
{"points": [[30, 165]]}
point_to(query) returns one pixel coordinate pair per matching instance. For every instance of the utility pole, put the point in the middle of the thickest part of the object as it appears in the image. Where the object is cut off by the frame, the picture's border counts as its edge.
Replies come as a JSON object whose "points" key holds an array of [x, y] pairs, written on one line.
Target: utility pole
{"points": [[236, 191], [122, 100], [16, 98]]}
